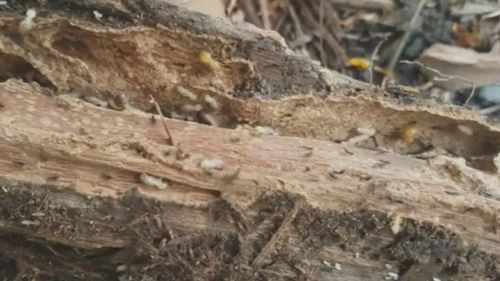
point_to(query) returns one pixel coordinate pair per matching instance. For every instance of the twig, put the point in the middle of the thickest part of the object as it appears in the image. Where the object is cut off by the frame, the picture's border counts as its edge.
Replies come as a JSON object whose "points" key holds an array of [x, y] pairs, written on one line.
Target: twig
{"points": [[406, 36], [264, 13], [281, 20], [472, 92], [170, 140], [445, 77], [300, 41], [381, 5], [372, 59], [295, 19], [250, 13], [322, 28], [490, 110], [230, 7], [270, 246]]}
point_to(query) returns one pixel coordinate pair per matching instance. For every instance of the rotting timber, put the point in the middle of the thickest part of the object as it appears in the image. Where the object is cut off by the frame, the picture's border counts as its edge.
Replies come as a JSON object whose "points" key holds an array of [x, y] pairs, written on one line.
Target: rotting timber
{"points": [[78, 135]]}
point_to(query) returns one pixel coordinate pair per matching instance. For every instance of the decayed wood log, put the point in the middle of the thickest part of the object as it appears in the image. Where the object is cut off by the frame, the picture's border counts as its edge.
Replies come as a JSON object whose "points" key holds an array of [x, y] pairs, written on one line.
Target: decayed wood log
{"points": [[88, 180], [64, 154]]}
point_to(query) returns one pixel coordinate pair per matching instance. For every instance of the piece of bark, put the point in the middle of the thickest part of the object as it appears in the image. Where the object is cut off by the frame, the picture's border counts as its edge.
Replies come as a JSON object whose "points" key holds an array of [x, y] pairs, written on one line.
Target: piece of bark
{"points": [[214, 8], [71, 153], [381, 5], [461, 68], [126, 54], [113, 59]]}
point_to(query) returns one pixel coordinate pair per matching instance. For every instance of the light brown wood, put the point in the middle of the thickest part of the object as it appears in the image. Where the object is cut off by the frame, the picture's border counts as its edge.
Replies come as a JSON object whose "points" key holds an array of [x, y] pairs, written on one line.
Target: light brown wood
{"points": [[92, 151]]}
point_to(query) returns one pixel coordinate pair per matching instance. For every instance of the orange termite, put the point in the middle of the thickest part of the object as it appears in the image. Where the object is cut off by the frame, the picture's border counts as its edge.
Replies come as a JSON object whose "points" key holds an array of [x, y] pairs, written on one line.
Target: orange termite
{"points": [[409, 132]]}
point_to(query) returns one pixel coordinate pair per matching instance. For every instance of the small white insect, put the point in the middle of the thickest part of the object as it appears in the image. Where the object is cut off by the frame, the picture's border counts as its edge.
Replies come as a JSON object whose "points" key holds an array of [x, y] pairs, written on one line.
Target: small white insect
{"points": [[96, 101], [27, 23], [338, 267], [392, 276], [153, 181], [212, 164], [118, 103], [397, 221], [192, 107], [30, 222], [177, 116], [364, 134], [356, 255], [436, 279], [186, 93], [265, 130], [97, 15], [212, 102], [466, 130], [326, 263], [211, 119]]}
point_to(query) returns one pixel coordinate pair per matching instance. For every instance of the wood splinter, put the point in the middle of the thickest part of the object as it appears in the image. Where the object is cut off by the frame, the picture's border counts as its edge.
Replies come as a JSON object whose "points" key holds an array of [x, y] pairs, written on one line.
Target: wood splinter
{"points": [[170, 140]]}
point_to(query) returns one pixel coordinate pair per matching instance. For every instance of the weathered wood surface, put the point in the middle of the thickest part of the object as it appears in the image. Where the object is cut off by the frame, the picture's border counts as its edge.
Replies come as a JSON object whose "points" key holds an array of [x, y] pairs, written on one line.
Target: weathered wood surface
{"points": [[65, 142]]}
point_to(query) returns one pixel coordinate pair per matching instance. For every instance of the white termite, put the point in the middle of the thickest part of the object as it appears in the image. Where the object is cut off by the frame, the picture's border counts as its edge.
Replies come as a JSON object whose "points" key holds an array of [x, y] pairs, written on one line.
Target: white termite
{"points": [[27, 23], [153, 181]]}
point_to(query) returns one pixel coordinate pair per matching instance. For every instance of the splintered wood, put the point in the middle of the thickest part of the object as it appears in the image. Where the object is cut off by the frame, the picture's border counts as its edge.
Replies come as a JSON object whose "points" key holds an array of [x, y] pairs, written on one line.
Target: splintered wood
{"points": [[74, 140]]}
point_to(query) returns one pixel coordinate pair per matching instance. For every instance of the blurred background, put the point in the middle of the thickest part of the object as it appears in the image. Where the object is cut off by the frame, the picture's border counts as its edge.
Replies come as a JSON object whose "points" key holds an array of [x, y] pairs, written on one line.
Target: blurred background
{"points": [[444, 50]]}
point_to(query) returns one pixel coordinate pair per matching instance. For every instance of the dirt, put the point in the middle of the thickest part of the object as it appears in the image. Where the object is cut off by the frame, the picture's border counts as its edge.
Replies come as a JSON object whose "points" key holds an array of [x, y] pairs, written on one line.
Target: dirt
{"points": [[156, 249]]}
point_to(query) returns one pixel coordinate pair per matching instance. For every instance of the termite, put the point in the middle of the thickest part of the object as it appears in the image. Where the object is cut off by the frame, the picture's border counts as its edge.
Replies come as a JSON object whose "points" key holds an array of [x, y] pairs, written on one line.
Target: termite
{"points": [[27, 23], [212, 102], [211, 119], [97, 15], [118, 103], [409, 132], [206, 58], [192, 107], [153, 181], [186, 93], [212, 164], [95, 101]]}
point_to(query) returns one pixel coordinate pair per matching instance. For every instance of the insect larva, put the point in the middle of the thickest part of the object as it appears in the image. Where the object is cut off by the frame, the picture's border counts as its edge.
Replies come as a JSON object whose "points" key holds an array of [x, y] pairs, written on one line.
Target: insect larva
{"points": [[206, 58]]}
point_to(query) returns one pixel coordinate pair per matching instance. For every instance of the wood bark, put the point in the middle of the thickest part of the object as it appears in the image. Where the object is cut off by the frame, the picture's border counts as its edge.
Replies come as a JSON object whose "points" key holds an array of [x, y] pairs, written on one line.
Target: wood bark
{"points": [[83, 150]]}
